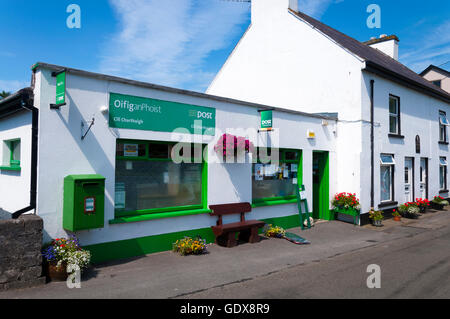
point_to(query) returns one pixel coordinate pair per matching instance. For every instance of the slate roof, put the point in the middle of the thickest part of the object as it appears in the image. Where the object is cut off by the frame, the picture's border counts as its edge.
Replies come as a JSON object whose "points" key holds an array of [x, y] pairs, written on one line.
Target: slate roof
{"points": [[376, 61]]}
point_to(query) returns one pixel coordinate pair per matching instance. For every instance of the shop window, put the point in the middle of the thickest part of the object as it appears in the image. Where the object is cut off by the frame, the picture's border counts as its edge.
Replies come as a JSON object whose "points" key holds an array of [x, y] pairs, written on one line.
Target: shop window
{"points": [[394, 115], [387, 178], [275, 180], [148, 181], [443, 123], [443, 173], [11, 155]]}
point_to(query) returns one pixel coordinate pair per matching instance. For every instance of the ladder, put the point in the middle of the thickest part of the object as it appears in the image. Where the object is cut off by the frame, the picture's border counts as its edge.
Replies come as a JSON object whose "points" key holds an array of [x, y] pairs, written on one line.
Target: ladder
{"points": [[301, 198]]}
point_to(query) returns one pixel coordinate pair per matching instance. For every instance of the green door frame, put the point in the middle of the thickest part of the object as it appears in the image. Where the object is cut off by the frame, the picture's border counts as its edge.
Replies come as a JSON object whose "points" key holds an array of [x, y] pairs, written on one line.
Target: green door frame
{"points": [[323, 202]]}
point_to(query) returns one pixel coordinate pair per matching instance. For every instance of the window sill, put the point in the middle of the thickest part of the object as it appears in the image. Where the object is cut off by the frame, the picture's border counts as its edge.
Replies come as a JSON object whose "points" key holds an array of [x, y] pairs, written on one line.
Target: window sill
{"points": [[396, 136], [443, 191], [443, 142], [274, 202], [11, 168], [387, 204], [145, 217]]}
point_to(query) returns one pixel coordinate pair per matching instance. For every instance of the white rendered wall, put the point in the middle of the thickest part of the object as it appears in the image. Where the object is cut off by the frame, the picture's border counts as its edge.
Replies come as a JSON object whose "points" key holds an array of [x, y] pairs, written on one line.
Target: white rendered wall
{"points": [[63, 153], [283, 61], [15, 185], [389, 48], [419, 116]]}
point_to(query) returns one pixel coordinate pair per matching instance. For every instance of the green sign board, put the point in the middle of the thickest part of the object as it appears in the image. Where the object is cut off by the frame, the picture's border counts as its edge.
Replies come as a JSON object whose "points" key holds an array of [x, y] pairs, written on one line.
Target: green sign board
{"points": [[266, 120], [61, 88], [139, 113]]}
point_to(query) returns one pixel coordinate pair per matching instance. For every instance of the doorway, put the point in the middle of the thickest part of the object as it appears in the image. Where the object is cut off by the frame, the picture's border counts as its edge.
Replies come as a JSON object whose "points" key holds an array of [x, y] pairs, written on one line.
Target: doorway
{"points": [[424, 178], [409, 179], [321, 186]]}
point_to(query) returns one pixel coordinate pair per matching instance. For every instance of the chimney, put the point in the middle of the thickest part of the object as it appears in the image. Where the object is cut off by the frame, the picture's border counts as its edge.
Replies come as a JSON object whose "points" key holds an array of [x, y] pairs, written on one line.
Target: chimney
{"points": [[386, 44], [270, 9]]}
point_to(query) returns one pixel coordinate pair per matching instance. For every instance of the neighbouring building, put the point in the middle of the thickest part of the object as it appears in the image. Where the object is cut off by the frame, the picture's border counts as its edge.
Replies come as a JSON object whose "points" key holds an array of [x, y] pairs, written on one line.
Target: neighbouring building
{"points": [[437, 76], [75, 137], [392, 134]]}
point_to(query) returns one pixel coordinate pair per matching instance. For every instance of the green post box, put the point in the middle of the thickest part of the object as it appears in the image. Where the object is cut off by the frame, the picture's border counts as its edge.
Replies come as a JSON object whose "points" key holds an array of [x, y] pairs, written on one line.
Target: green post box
{"points": [[84, 202]]}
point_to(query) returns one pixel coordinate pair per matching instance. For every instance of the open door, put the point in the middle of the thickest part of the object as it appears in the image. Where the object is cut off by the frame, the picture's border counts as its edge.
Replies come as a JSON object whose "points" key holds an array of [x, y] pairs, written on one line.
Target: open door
{"points": [[321, 187]]}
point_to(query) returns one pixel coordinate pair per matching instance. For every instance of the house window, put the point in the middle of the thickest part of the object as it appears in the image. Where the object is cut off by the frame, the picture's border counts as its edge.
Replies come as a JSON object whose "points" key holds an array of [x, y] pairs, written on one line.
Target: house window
{"points": [[443, 123], [394, 115], [149, 181], [437, 82], [443, 173], [276, 180], [11, 155], [387, 178]]}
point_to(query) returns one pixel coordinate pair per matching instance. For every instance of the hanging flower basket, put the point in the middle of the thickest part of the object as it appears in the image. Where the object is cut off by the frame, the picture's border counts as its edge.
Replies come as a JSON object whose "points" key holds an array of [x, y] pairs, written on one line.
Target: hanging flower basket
{"points": [[229, 145]]}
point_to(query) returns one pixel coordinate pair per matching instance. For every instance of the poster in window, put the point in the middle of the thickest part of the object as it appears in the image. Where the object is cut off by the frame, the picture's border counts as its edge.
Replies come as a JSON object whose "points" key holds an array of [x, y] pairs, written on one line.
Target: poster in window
{"points": [[131, 150], [294, 168], [259, 172], [120, 196]]}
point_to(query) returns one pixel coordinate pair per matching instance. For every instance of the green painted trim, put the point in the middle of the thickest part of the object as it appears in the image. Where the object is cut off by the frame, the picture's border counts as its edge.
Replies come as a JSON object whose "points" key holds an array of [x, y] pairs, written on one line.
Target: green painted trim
{"points": [[274, 202], [152, 244], [140, 218], [11, 168], [122, 213]]}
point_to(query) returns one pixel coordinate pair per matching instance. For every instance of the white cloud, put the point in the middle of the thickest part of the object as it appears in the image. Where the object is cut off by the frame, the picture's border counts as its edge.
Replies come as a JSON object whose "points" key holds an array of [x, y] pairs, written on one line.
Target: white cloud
{"points": [[12, 85], [167, 42], [315, 8], [433, 48]]}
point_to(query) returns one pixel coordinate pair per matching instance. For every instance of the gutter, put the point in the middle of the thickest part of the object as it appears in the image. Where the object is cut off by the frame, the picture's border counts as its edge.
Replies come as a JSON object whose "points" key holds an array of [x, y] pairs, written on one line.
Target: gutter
{"points": [[372, 147], [23, 100]]}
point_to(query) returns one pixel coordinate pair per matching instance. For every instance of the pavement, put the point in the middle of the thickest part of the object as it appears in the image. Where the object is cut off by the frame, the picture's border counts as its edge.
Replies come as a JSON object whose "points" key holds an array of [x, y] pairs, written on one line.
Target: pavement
{"points": [[414, 257]]}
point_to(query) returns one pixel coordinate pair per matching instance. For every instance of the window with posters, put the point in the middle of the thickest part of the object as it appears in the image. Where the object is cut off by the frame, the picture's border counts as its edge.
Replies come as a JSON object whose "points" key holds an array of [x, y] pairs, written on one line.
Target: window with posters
{"points": [[148, 180], [275, 178]]}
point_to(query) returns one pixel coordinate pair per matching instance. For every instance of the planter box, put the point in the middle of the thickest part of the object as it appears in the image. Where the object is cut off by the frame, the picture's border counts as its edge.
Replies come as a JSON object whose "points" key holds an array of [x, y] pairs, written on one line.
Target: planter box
{"points": [[349, 215], [437, 206], [410, 216]]}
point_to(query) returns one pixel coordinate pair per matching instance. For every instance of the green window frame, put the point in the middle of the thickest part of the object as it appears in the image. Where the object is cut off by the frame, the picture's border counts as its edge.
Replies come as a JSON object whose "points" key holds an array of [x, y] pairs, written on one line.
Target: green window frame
{"points": [[12, 157], [284, 158], [148, 151]]}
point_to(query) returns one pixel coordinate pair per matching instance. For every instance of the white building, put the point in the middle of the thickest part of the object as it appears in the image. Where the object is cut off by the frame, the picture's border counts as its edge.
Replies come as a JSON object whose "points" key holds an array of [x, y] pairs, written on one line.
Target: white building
{"points": [[288, 59], [151, 201]]}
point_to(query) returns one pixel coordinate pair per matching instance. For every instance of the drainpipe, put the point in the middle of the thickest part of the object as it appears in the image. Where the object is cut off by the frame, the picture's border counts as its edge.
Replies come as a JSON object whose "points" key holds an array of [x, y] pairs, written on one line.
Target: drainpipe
{"points": [[372, 151], [34, 156]]}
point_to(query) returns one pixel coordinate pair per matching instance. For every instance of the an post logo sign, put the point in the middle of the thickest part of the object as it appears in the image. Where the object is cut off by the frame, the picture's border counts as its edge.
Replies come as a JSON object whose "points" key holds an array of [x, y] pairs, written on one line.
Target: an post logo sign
{"points": [[266, 120], [139, 113]]}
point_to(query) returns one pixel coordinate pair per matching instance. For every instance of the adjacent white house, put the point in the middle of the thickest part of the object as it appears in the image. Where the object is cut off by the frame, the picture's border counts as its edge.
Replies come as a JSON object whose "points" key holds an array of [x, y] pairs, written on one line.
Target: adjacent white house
{"points": [[438, 76], [392, 136]]}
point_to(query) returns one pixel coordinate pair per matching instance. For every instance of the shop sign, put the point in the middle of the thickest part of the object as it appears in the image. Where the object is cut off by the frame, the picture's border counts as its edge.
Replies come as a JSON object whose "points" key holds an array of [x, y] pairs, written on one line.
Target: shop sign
{"points": [[61, 88], [138, 113], [266, 120]]}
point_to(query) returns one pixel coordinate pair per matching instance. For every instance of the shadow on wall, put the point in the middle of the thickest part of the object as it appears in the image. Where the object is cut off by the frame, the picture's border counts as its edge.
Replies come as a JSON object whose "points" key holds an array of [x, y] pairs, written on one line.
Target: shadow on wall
{"points": [[4, 214]]}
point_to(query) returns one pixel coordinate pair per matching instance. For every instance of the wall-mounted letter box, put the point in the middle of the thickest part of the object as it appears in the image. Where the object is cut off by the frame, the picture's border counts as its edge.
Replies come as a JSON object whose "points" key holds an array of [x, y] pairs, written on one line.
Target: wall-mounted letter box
{"points": [[84, 202]]}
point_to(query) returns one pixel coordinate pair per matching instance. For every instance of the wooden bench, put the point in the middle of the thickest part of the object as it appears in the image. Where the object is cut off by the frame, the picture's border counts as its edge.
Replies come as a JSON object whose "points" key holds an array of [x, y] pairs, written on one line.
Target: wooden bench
{"points": [[226, 234]]}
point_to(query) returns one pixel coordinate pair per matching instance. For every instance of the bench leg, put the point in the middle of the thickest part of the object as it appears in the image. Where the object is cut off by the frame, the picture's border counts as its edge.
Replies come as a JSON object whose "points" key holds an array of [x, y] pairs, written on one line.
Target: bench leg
{"points": [[250, 235], [227, 240]]}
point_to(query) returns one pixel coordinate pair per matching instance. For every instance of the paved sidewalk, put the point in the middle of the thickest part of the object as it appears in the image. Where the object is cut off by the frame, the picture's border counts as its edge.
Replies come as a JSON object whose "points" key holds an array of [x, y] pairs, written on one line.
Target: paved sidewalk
{"points": [[167, 275]]}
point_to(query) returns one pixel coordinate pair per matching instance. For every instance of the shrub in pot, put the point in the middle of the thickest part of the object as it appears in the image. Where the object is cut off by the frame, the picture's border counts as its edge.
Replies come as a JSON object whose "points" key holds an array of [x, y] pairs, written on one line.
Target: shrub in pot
{"points": [[423, 204], [376, 217], [397, 216], [346, 204], [439, 203], [409, 210]]}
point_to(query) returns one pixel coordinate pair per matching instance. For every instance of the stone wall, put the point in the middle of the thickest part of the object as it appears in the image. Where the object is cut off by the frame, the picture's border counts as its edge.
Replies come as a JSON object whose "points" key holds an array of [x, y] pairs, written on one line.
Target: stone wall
{"points": [[20, 252]]}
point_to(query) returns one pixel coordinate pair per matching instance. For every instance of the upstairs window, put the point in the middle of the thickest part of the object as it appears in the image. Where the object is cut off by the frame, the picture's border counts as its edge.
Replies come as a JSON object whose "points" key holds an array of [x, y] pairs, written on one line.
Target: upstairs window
{"points": [[394, 115], [443, 123], [438, 83]]}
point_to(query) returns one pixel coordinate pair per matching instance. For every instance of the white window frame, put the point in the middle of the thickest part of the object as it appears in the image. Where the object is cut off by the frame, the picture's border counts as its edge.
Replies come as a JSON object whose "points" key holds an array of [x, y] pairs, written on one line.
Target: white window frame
{"points": [[394, 115], [389, 164], [443, 164], [443, 123]]}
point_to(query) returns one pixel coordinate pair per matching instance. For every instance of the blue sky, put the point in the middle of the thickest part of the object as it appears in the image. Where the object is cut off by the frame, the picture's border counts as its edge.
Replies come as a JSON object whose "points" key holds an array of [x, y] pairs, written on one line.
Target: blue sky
{"points": [[183, 43]]}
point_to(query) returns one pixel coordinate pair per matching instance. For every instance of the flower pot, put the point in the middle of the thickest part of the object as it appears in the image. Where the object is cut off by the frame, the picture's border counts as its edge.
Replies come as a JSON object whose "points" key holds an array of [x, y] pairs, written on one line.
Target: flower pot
{"points": [[397, 218], [377, 223], [57, 273], [437, 206], [423, 209]]}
